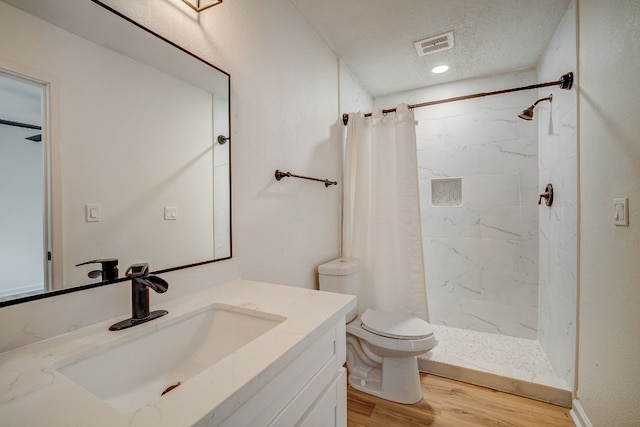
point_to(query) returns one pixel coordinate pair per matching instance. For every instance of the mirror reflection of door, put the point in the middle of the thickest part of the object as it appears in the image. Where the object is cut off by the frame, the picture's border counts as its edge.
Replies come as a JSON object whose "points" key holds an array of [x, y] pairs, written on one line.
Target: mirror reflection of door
{"points": [[23, 201]]}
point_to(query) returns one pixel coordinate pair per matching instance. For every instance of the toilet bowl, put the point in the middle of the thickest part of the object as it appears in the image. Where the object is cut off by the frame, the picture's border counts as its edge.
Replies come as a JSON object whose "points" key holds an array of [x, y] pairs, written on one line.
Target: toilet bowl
{"points": [[382, 354], [382, 347]]}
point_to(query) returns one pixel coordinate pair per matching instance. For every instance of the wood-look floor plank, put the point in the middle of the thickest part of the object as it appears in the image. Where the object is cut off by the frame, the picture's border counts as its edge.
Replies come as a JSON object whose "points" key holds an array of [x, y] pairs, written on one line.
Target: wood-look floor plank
{"points": [[449, 403]]}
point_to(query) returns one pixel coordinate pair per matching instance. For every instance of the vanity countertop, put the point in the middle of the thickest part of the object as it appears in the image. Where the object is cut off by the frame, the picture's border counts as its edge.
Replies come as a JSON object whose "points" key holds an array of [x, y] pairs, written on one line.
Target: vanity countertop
{"points": [[34, 393]]}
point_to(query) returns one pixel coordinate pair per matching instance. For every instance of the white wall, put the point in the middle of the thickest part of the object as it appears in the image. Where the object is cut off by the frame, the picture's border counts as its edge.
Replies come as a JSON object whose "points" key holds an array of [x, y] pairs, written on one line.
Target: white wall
{"points": [[353, 97], [609, 290], [22, 216], [481, 258], [558, 165], [221, 177]]}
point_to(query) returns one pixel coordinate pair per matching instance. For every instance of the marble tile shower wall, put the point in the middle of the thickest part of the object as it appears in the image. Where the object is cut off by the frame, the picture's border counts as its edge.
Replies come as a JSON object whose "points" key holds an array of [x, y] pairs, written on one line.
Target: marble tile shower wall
{"points": [[481, 258], [558, 164]]}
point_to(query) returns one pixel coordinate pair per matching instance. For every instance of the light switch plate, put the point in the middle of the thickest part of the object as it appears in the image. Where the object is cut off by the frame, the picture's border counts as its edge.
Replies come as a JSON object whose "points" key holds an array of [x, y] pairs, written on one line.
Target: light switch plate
{"points": [[92, 212], [621, 211], [170, 213]]}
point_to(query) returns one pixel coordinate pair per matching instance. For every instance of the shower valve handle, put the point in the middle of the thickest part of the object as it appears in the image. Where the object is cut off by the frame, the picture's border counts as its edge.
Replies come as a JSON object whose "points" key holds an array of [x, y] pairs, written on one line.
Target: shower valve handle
{"points": [[547, 195]]}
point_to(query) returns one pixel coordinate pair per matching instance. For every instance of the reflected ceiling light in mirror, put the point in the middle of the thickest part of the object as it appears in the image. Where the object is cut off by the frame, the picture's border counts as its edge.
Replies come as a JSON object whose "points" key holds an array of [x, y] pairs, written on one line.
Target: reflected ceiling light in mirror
{"points": [[200, 5], [440, 69]]}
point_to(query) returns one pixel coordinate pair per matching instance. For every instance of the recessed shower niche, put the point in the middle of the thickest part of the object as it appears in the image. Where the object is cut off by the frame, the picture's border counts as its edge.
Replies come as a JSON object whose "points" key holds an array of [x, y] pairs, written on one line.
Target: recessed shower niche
{"points": [[446, 192]]}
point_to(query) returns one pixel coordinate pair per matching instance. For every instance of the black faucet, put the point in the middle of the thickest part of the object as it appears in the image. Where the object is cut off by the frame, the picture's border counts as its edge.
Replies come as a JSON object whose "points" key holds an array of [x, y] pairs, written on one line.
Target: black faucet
{"points": [[140, 284], [109, 269]]}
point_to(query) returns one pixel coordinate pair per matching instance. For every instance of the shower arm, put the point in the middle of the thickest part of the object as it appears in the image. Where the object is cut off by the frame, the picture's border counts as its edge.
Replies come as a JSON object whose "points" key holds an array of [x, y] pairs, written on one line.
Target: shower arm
{"points": [[548, 98], [565, 82]]}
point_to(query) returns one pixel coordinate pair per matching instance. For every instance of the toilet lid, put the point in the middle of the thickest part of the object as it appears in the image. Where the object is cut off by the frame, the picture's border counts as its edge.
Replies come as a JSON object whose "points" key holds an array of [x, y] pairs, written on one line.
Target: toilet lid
{"points": [[395, 325]]}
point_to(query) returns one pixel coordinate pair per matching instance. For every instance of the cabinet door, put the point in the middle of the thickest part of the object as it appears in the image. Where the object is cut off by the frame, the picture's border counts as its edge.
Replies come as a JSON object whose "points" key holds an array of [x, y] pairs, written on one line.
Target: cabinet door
{"points": [[330, 408]]}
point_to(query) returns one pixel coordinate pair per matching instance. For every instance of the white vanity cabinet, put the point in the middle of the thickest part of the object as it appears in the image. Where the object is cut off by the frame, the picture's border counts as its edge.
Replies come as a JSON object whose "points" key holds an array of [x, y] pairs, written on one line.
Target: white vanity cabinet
{"points": [[311, 391]]}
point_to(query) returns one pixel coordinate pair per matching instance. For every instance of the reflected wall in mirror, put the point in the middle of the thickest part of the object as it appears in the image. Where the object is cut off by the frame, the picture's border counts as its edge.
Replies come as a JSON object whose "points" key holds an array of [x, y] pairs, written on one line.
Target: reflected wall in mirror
{"points": [[132, 122], [23, 195]]}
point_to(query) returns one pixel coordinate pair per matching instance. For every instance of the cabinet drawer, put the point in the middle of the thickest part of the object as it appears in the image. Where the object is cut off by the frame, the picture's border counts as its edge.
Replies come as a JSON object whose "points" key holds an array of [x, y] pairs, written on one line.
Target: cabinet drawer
{"points": [[330, 408], [267, 403], [307, 397]]}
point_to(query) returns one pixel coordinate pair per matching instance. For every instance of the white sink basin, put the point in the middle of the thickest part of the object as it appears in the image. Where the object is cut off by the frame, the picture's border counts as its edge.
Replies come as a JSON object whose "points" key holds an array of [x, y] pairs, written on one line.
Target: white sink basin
{"points": [[134, 371]]}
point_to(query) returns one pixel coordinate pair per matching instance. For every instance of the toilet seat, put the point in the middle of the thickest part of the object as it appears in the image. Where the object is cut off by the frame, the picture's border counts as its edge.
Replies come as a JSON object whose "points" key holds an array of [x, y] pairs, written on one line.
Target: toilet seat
{"points": [[395, 325]]}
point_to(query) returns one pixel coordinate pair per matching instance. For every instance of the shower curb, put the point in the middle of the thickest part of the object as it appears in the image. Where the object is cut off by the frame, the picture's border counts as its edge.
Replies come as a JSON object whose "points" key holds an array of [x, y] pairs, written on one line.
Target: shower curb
{"points": [[546, 389]]}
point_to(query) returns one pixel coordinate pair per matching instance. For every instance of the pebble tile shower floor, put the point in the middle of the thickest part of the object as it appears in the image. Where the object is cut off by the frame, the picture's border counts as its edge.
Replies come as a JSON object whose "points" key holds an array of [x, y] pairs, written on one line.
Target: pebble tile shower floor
{"points": [[515, 365]]}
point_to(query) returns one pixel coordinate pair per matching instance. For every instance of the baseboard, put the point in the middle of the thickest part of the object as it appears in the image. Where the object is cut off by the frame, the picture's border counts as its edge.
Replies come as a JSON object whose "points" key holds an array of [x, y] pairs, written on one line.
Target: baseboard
{"points": [[578, 415]]}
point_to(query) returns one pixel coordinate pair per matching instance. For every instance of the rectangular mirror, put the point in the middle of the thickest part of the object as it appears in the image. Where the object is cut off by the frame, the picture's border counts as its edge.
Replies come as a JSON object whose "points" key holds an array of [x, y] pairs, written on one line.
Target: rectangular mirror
{"points": [[130, 167]]}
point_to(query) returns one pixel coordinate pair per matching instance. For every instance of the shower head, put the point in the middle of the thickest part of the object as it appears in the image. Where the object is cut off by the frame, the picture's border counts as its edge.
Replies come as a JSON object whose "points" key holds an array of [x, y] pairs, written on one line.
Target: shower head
{"points": [[527, 114]]}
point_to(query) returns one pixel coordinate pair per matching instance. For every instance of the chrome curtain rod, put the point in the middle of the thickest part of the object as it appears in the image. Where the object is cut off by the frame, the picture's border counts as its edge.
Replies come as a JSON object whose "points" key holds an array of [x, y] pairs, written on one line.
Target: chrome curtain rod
{"points": [[279, 175], [565, 82]]}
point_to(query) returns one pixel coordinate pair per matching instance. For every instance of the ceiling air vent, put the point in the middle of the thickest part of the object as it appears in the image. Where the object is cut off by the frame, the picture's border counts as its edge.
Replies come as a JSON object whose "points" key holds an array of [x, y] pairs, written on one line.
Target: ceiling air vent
{"points": [[434, 44]]}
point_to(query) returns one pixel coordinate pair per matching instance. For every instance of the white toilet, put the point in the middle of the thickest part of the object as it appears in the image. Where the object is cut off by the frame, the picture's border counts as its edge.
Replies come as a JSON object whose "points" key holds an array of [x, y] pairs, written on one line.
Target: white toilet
{"points": [[382, 347]]}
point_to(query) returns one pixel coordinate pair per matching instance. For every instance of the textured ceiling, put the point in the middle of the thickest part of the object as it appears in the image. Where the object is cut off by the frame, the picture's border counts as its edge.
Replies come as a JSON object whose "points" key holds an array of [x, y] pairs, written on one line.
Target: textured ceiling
{"points": [[374, 38]]}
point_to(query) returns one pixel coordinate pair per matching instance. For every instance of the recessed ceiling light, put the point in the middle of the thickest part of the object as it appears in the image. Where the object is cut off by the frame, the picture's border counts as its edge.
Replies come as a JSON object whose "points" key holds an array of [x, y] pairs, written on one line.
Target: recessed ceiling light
{"points": [[440, 69]]}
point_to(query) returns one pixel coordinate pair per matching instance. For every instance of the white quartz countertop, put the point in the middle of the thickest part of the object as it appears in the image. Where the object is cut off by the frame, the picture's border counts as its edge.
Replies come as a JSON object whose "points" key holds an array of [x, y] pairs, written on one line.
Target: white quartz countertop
{"points": [[33, 393]]}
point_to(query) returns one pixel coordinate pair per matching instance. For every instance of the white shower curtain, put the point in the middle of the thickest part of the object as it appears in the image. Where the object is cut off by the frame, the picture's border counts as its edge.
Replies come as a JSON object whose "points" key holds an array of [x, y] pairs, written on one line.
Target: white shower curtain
{"points": [[381, 221]]}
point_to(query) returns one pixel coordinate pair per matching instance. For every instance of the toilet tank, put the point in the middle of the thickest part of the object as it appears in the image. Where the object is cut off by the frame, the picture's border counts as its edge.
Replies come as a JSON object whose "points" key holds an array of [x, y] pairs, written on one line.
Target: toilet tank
{"points": [[342, 276]]}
